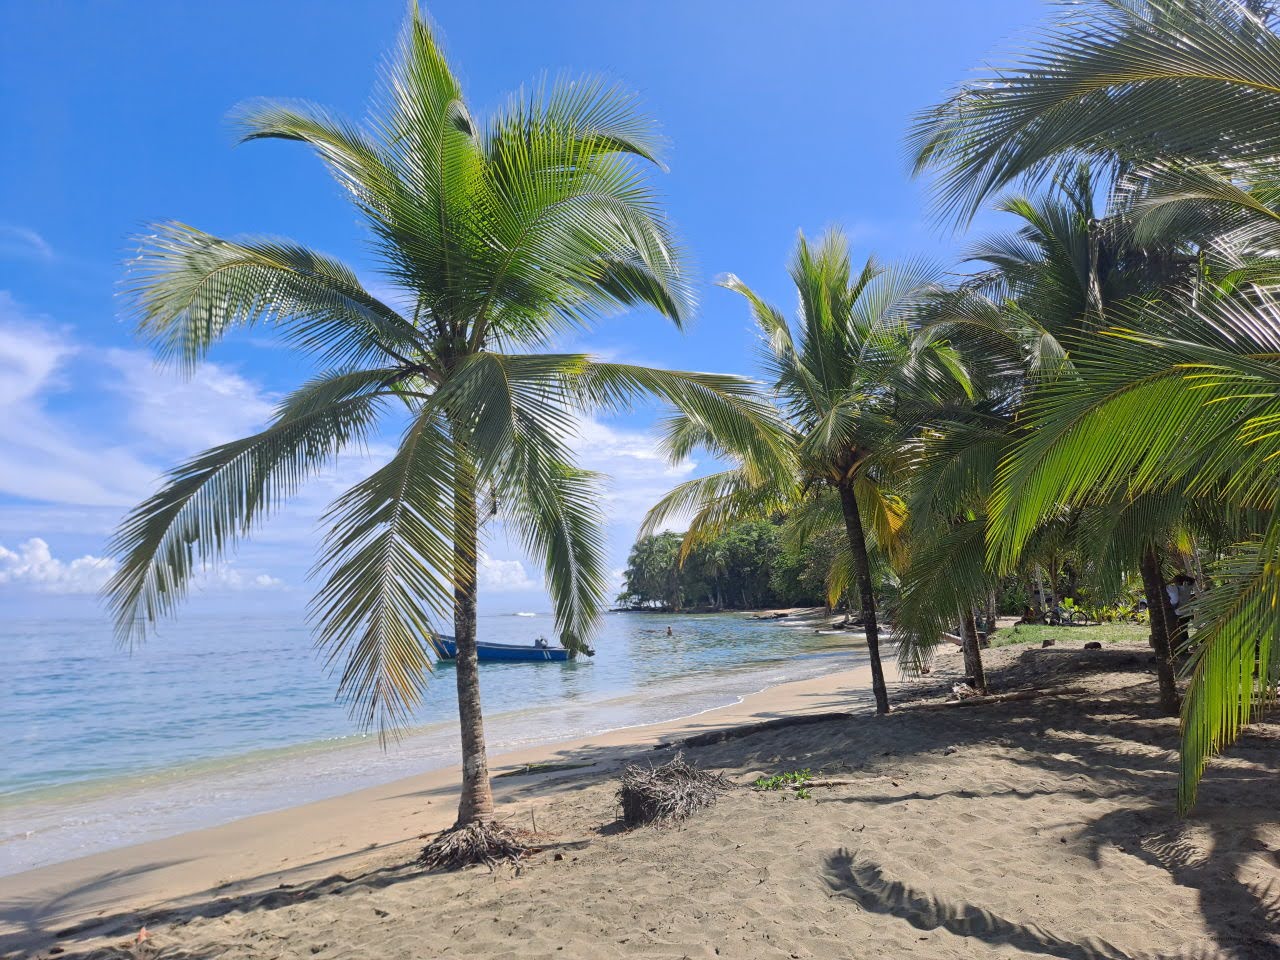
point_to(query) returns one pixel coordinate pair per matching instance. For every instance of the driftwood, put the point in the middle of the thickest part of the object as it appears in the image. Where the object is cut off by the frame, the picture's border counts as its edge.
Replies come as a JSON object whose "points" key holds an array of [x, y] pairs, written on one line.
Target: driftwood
{"points": [[844, 783], [995, 698], [751, 729]]}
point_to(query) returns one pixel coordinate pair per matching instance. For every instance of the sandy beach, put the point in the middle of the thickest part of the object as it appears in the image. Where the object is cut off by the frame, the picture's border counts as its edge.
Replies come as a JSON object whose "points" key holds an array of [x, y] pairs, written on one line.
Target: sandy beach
{"points": [[1036, 827]]}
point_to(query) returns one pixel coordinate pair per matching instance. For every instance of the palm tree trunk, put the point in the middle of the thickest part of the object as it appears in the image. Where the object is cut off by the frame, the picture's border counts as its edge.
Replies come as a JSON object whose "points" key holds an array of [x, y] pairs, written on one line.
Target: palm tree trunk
{"points": [[862, 570], [1161, 616], [973, 651], [476, 803]]}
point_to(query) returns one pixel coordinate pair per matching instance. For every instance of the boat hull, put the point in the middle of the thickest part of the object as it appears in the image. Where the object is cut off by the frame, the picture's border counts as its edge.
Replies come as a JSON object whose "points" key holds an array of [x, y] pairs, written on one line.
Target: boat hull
{"points": [[504, 652]]}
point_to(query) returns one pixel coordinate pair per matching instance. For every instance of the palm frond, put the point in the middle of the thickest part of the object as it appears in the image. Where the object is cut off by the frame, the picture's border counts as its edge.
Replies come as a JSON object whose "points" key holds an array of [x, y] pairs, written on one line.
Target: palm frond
{"points": [[1110, 80], [188, 289], [388, 561], [1236, 674], [216, 498]]}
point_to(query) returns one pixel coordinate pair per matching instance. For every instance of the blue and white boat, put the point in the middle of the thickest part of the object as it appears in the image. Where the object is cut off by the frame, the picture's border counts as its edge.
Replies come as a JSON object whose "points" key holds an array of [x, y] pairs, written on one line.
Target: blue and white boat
{"points": [[509, 652]]}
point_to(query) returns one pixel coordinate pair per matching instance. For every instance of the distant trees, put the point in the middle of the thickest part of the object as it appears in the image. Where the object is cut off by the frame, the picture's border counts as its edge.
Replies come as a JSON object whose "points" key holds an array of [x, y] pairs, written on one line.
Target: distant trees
{"points": [[746, 566]]}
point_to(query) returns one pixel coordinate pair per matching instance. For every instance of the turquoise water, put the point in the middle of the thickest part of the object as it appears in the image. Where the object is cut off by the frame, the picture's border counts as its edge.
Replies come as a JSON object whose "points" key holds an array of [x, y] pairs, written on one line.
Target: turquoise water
{"points": [[222, 718]]}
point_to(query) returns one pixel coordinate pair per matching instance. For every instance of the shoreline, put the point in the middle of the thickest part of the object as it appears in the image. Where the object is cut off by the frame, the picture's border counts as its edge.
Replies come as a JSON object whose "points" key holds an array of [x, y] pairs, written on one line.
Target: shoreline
{"points": [[69, 821], [313, 839]]}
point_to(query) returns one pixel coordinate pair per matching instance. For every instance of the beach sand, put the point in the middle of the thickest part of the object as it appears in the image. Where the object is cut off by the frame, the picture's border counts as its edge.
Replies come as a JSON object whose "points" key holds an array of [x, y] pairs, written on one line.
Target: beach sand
{"points": [[1042, 827]]}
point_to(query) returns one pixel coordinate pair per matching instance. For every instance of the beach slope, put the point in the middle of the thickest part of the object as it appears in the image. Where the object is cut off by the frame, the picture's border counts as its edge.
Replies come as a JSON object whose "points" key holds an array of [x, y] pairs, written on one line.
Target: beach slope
{"points": [[1037, 827]]}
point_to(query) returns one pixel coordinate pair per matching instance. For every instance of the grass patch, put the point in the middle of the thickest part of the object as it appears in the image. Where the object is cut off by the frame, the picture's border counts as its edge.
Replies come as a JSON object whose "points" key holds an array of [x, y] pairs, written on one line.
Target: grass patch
{"points": [[1071, 636]]}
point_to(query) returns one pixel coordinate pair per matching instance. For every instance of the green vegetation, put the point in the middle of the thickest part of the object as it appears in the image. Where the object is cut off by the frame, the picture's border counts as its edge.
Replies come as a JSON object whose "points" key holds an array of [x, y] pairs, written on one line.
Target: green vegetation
{"points": [[1155, 435], [855, 381], [781, 780], [1088, 415], [746, 566]]}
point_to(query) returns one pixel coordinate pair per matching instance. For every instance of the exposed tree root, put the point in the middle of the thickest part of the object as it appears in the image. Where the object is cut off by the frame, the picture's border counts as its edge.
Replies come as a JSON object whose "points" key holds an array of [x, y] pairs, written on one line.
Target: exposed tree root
{"points": [[667, 793], [489, 843]]}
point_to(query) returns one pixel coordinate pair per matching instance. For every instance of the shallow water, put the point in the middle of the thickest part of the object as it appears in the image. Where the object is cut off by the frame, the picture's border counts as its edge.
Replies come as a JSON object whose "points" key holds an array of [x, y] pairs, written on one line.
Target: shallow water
{"points": [[220, 719]]}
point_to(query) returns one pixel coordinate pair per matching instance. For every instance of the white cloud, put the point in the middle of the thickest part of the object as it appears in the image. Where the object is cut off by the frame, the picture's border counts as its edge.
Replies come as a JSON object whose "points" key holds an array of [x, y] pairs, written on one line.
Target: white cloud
{"points": [[39, 458], [33, 566], [22, 243], [638, 471], [46, 456], [188, 413], [227, 577], [503, 576]]}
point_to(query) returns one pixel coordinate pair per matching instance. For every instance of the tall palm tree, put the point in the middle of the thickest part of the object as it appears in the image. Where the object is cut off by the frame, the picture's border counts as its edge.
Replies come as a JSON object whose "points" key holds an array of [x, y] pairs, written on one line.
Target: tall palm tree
{"points": [[852, 379], [499, 236], [1213, 376]]}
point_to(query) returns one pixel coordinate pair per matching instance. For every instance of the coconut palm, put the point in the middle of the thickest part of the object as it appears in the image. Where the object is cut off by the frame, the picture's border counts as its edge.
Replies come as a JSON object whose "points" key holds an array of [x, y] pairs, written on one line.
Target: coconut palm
{"points": [[1178, 100], [498, 236], [1212, 374], [852, 378], [1041, 289]]}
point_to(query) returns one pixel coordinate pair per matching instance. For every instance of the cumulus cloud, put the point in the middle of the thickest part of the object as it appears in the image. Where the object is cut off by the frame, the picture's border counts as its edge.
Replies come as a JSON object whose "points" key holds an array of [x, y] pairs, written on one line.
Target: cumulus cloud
{"points": [[638, 472], [226, 577], [503, 576], [186, 413], [33, 565]]}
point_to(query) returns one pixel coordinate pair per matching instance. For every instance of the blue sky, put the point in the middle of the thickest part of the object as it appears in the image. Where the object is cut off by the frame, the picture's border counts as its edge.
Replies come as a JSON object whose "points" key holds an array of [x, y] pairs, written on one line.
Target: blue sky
{"points": [[780, 118]]}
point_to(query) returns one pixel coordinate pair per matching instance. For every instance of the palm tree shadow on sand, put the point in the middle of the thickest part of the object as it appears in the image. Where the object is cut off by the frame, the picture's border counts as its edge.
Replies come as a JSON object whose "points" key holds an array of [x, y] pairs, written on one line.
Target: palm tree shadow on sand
{"points": [[865, 882]]}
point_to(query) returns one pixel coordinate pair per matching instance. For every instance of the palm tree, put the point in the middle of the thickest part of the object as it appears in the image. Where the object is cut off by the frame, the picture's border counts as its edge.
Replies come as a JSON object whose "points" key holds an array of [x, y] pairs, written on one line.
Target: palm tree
{"points": [[1212, 375], [852, 380], [499, 236], [1044, 287]]}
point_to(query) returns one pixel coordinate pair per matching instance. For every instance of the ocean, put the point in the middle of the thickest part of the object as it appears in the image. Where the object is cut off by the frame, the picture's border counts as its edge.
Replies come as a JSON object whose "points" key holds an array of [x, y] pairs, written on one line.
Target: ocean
{"points": [[220, 718]]}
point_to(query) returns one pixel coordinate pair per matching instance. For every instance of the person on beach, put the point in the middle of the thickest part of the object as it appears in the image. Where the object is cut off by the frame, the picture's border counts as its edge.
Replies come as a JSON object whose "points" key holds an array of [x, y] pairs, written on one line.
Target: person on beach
{"points": [[1181, 592]]}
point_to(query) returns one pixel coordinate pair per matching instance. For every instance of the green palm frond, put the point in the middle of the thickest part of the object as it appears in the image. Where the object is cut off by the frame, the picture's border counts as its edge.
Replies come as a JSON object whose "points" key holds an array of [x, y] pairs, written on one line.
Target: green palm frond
{"points": [[1110, 80], [556, 509], [1236, 674], [188, 289], [712, 503], [216, 498], [388, 561], [947, 573], [1211, 375]]}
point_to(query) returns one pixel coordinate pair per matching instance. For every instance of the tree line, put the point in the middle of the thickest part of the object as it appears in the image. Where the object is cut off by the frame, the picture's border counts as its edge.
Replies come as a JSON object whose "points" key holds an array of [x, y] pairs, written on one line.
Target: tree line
{"points": [[747, 566]]}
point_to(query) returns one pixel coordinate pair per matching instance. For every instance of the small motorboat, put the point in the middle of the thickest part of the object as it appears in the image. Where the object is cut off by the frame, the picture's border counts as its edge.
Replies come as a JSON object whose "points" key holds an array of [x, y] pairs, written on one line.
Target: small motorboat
{"points": [[509, 652]]}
